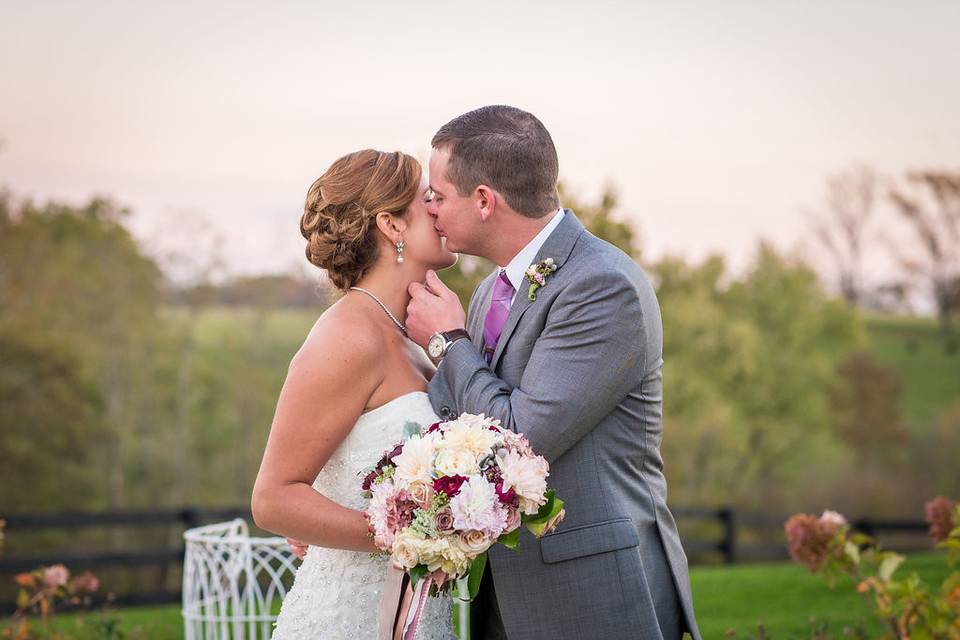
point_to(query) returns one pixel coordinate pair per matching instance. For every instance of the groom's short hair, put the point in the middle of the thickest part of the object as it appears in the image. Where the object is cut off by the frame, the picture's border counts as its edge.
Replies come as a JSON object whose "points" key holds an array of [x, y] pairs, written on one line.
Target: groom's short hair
{"points": [[507, 149]]}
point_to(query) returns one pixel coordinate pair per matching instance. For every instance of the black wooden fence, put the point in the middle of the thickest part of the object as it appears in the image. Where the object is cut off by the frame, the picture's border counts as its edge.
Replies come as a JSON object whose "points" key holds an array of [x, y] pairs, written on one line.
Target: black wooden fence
{"points": [[710, 536]]}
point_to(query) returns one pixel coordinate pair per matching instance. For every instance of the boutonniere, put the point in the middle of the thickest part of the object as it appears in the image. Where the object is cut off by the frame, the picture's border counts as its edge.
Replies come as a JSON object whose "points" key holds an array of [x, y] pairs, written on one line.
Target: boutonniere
{"points": [[536, 275]]}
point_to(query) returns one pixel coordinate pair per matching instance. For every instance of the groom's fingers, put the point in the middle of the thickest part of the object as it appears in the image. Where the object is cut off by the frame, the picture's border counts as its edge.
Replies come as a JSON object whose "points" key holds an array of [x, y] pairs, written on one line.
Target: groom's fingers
{"points": [[435, 284], [416, 289], [299, 548]]}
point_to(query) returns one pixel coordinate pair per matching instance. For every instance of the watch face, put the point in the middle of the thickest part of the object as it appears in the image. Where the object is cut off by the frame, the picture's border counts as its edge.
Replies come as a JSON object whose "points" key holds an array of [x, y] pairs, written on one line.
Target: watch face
{"points": [[435, 346]]}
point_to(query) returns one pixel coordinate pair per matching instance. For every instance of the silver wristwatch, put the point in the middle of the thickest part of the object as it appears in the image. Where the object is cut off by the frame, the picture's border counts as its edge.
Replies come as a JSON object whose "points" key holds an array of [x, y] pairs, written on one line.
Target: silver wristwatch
{"points": [[440, 343]]}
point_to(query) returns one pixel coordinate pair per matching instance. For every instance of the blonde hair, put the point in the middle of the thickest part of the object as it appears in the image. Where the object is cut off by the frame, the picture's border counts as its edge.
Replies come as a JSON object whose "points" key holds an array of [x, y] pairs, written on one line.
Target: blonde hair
{"points": [[339, 215]]}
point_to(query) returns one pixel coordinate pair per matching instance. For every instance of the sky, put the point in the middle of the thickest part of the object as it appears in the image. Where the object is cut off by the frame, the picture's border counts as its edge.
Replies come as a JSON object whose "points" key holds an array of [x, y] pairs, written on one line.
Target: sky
{"points": [[717, 122]]}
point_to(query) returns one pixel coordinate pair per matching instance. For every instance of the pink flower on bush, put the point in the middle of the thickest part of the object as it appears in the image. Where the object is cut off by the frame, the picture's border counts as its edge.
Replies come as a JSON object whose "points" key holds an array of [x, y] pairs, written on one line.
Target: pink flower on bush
{"points": [[832, 521], [808, 539], [55, 576], [86, 583], [939, 515]]}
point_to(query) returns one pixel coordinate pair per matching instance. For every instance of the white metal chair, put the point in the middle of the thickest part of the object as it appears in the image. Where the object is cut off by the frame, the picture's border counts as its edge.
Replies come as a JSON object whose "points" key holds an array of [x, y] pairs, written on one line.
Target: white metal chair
{"points": [[232, 583]]}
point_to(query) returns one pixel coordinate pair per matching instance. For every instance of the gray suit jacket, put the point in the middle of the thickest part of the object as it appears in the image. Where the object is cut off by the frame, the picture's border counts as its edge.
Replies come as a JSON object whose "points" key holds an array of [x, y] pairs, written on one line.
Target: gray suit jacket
{"points": [[578, 372]]}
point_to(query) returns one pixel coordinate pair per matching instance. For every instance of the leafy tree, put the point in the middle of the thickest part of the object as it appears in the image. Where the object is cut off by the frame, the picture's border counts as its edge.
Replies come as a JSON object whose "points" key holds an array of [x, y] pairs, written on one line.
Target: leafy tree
{"points": [[50, 427], [601, 220], [77, 275], [747, 365], [865, 406]]}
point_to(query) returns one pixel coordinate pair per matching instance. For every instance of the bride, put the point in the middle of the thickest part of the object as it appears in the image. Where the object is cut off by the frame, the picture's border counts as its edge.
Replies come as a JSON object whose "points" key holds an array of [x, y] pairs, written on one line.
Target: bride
{"points": [[349, 391]]}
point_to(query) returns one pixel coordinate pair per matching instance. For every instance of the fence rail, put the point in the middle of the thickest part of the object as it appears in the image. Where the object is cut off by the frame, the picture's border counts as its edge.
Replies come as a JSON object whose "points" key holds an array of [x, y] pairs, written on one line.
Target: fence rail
{"points": [[728, 547]]}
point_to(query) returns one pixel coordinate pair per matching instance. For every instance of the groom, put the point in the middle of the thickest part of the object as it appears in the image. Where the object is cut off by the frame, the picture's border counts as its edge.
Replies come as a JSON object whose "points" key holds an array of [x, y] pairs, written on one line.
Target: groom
{"points": [[572, 360]]}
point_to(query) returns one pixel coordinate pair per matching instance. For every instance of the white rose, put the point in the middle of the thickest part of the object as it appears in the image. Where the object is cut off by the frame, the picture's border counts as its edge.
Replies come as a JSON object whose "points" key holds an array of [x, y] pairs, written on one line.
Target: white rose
{"points": [[473, 542], [477, 439], [405, 551], [451, 462]]}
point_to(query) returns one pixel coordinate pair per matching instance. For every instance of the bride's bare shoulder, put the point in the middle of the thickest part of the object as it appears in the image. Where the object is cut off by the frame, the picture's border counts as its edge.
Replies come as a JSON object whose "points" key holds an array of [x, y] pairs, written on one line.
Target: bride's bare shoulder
{"points": [[344, 332]]}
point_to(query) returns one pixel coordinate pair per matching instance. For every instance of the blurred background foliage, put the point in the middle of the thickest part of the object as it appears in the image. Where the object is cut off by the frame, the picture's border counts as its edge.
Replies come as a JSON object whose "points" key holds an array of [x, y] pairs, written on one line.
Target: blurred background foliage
{"points": [[120, 388]]}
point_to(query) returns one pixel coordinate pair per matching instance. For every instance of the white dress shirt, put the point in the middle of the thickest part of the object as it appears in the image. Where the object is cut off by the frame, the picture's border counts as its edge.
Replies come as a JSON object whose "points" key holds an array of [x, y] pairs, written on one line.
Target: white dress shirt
{"points": [[522, 261]]}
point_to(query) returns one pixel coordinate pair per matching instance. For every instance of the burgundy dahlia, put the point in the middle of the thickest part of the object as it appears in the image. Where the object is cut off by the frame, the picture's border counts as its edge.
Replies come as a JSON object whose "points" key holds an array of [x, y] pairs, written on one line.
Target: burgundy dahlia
{"points": [[506, 497], [449, 485]]}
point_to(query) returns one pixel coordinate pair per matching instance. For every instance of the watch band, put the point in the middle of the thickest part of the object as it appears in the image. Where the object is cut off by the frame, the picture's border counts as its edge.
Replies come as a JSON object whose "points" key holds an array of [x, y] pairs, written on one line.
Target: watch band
{"points": [[456, 334]]}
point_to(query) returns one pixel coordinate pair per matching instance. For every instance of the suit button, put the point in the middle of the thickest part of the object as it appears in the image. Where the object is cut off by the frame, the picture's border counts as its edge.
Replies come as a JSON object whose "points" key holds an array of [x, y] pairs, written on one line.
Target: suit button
{"points": [[445, 413]]}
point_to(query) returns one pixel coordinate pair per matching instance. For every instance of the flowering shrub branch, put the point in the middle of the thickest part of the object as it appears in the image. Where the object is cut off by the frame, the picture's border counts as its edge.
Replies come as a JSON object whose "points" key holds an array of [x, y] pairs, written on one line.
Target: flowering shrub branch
{"points": [[907, 607]]}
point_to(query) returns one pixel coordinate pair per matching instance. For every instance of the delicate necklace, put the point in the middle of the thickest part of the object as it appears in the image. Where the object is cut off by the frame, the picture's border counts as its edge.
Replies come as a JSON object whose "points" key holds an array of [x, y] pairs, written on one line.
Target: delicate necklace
{"points": [[384, 307]]}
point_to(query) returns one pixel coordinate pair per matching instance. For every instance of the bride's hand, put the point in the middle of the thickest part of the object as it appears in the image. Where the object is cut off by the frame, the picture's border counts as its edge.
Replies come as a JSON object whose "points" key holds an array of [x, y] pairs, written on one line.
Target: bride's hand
{"points": [[299, 548]]}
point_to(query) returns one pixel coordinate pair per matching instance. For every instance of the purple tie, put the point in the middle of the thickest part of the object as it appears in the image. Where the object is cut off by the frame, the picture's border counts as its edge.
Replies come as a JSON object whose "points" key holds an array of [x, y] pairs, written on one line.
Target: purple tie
{"points": [[497, 315]]}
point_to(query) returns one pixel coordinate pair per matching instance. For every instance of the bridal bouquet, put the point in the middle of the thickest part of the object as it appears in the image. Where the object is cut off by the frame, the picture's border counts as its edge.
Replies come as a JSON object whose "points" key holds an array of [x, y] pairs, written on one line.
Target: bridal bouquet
{"points": [[442, 497]]}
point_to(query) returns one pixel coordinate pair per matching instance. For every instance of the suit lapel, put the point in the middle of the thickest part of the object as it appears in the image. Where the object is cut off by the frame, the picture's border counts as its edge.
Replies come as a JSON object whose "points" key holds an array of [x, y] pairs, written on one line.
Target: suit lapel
{"points": [[558, 246], [478, 311]]}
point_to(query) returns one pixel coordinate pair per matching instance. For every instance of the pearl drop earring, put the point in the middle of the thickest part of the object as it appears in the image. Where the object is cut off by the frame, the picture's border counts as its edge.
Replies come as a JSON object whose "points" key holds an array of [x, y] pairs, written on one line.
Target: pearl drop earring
{"points": [[400, 251]]}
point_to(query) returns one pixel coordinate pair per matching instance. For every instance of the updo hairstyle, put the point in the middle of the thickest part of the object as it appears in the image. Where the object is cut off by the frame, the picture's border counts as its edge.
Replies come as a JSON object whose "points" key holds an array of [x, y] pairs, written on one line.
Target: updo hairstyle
{"points": [[339, 215]]}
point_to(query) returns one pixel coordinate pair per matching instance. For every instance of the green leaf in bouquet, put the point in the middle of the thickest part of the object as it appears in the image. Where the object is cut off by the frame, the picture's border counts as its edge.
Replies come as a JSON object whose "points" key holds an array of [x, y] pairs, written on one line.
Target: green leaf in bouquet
{"points": [[416, 573], [477, 568], [510, 540], [550, 509], [545, 508]]}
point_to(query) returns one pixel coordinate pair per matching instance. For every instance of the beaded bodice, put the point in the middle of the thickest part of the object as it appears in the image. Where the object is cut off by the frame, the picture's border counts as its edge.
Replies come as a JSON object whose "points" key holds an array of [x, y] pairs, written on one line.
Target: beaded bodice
{"points": [[336, 593]]}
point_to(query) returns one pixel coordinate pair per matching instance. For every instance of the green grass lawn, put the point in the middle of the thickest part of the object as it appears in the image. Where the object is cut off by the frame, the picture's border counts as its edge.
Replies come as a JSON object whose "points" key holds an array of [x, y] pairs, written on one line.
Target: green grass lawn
{"points": [[784, 596], [781, 596]]}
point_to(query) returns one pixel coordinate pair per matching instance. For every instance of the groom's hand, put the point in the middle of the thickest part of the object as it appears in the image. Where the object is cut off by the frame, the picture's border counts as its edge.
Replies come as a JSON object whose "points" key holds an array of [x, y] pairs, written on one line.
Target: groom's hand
{"points": [[299, 548], [433, 308]]}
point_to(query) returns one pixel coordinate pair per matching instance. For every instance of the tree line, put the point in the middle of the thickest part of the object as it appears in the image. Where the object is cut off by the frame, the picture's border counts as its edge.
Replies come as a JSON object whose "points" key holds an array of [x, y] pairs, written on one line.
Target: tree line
{"points": [[120, 389]]}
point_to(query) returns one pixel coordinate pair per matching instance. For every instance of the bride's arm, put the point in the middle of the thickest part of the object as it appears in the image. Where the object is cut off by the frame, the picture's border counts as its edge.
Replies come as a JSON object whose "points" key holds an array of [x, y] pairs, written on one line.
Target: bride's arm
{"points": [[328, 384]]}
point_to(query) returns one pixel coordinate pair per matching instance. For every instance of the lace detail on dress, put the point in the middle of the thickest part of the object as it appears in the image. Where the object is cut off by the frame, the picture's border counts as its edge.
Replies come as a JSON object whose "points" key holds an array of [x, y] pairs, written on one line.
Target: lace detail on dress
{"points": [[336, 593]]}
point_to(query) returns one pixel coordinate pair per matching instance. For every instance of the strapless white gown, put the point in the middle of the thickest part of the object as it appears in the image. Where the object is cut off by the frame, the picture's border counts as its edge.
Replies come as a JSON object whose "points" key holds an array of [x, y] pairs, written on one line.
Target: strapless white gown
{"points": [[336, 593]]}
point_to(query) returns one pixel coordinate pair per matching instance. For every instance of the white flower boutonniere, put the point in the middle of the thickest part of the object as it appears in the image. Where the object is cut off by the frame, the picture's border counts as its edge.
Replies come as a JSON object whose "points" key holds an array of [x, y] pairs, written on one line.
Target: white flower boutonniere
{"points": [[536, 275]]}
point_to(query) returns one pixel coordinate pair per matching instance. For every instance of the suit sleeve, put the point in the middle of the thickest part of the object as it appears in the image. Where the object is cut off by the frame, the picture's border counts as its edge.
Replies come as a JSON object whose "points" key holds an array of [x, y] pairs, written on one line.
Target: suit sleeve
{"points": [[589, 356], [441, 397]]}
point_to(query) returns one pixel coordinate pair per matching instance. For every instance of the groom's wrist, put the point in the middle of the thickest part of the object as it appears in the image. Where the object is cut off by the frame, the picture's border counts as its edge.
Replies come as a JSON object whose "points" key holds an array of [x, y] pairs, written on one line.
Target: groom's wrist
{"points": [[440, 343]]}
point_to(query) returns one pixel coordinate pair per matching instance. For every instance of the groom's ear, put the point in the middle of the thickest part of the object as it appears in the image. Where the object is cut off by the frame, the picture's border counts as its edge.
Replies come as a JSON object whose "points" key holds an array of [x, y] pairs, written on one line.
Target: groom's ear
{"points": [[486, 202]]}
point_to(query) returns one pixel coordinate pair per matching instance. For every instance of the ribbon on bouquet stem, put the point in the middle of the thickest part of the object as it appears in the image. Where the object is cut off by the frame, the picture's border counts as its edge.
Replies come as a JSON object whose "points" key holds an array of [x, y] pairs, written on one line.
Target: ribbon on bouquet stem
{"points": [[402, 603]]}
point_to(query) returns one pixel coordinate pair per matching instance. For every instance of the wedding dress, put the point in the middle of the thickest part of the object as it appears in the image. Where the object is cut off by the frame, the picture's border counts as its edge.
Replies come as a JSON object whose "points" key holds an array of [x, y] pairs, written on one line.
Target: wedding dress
{"points": [[336, 593]]}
